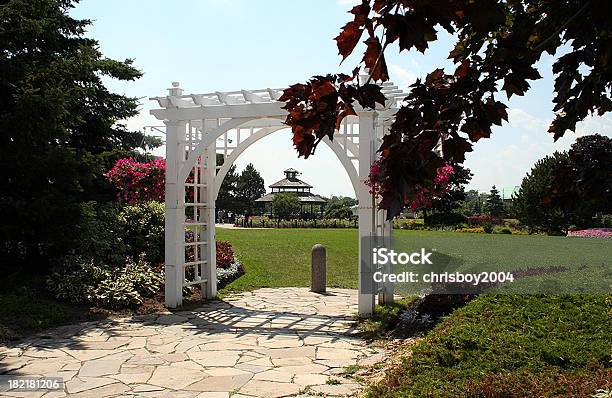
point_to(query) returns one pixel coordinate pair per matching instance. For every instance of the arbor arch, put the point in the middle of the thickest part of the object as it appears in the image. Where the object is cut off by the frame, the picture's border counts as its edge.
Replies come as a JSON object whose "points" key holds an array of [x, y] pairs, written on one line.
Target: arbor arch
{"points": [[199, 126], [344, 159]]}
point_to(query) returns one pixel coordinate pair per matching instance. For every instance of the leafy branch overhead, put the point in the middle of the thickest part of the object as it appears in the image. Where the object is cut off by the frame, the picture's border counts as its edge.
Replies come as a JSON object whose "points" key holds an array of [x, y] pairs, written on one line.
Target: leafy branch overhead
{"points": [[498, 43]]}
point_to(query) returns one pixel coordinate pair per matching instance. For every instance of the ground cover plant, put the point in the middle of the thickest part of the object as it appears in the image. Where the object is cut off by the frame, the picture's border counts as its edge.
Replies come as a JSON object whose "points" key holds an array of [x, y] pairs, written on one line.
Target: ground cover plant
{"points": [[510, 346]]}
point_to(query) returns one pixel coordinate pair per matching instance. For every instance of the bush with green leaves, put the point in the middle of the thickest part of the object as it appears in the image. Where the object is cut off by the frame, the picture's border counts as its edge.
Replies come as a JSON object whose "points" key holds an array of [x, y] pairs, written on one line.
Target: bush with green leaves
{"points": [[109, 232], [80, 280], [441, 219], [604, 221], [75, 277], [116, 293], [101, 233], [532, 204], [143, 230]]}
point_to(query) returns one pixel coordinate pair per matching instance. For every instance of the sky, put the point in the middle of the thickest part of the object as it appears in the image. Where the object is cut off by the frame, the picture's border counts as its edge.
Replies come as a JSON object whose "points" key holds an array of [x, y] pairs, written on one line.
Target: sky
{"points": [[227, 45]]}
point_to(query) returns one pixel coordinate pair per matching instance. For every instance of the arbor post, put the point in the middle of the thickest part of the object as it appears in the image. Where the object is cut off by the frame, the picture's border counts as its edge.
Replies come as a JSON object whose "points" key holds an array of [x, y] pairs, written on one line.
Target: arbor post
{"points": [[366, 213], [209, 288], [175, 215]]}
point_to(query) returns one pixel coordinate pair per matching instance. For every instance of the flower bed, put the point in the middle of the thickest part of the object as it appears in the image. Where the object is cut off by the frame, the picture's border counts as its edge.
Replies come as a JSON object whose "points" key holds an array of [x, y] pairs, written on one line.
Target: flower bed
{"points": [[592, 233], [225, 276], [229, 268]]}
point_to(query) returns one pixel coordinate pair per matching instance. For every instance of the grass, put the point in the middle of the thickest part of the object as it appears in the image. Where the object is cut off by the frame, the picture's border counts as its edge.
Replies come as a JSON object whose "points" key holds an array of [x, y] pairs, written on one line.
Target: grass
{"points": [[27, 308], [510, 346], [384, 319], [281, 257]]}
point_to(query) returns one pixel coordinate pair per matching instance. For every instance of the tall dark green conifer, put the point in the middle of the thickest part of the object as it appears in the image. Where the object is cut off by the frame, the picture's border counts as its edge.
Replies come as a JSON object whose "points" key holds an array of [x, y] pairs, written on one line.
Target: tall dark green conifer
{"points": [[58, 125], [495, 204]]}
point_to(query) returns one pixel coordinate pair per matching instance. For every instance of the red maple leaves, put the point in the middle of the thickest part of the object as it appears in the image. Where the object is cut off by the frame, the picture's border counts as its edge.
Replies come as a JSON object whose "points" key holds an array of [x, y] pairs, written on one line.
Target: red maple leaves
{"points": [[498, 45], [316, 108]]}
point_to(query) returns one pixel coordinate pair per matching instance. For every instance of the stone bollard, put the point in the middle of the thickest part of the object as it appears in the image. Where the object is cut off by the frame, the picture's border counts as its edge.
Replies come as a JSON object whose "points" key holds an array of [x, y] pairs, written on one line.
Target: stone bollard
{"points": [[319, 269]]}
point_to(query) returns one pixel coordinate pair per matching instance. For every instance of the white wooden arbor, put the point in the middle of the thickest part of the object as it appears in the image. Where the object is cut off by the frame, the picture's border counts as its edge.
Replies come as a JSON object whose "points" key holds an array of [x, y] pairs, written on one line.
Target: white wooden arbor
{"points": [[199, 126]]}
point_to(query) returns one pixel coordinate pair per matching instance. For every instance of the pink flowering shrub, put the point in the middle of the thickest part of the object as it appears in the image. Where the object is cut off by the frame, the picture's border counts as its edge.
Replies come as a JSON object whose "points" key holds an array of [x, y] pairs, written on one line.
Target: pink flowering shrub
{"points": [[374, 178], [425, 195], [138, 182], [440, 187], [592, 233]]}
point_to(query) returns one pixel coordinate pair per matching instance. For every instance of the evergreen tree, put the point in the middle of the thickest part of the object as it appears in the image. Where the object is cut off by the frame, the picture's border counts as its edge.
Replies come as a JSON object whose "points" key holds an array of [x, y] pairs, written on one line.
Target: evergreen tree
{"points": [[582, 186], [58, 127], [532, 205], [495, 204], [250, 187]]}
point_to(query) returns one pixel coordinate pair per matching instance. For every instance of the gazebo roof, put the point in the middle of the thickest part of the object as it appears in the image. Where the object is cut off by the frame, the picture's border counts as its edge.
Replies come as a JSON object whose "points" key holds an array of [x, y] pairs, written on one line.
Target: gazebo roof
{"points": [[303, 198], [291, 183]]}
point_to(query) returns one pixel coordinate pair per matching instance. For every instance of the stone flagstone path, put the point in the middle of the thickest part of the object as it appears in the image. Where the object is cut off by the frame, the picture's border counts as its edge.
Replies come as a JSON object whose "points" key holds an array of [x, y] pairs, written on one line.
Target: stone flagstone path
{"points": [[266, 343]]}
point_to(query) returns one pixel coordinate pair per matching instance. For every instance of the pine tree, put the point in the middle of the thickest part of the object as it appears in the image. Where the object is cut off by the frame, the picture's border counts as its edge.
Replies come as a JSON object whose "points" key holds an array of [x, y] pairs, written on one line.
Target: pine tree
{"points": [[58, 127], [495, 204]]}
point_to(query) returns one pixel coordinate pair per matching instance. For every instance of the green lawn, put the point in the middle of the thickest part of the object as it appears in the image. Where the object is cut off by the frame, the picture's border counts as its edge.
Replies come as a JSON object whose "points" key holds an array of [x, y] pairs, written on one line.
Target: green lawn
{"points": [[281, 257]]}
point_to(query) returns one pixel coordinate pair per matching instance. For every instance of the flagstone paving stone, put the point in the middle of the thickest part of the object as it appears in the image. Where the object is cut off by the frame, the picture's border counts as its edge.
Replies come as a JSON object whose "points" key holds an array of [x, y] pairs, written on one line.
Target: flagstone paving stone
{"points": [[286, 342]]}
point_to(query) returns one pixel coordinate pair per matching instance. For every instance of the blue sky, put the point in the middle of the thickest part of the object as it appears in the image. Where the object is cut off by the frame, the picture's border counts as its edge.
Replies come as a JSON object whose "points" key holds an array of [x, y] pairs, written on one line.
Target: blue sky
{"points": [[226, 45]]}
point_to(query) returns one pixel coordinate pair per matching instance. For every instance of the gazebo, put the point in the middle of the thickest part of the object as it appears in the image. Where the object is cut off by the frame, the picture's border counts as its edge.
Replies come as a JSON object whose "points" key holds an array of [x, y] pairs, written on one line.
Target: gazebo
{"points": [[294, 185], [200, 126]]}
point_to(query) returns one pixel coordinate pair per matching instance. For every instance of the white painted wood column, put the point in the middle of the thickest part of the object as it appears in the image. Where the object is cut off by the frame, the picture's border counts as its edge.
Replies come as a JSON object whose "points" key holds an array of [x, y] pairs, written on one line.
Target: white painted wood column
{"points": [[384, 228], [175, 215], [209, 289], [366, 213]]}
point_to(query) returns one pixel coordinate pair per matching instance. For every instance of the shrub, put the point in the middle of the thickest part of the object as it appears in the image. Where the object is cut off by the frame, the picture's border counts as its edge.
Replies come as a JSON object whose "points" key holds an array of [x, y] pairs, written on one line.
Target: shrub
{"points": [[108, 233], [511, 223], [408, 223], [138, 182], [143, 230], [488, 228], [116, 293], [101, 233], [146, 281], [74, 278], [604, 221], [78, 279], [505, 231], [225, 254], [438, 219]]}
